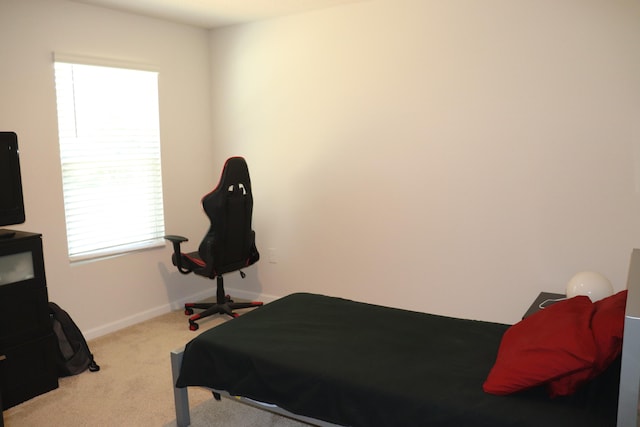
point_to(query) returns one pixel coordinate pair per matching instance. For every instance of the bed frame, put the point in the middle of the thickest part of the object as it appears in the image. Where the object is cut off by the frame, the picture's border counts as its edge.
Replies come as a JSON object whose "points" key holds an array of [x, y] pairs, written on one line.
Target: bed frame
{"points": [[629, 389]]}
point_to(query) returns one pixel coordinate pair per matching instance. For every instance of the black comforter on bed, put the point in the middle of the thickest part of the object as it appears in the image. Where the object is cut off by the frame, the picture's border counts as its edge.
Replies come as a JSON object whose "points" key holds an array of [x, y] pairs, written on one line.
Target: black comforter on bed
{"points": [[357, 364]]}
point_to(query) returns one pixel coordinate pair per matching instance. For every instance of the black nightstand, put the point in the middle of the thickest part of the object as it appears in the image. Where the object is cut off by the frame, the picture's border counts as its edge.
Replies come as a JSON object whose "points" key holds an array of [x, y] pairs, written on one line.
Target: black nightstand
{"points": [[544, 296]]}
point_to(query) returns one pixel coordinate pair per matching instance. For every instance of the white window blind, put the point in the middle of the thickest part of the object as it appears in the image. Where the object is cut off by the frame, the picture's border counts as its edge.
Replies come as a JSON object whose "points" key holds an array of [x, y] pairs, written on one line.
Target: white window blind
{"points": [[110, 154]]}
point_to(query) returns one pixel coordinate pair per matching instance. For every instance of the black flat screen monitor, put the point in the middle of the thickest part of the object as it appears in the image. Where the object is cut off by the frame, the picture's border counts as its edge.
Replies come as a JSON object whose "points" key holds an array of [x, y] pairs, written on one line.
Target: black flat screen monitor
{"points": [[11, 201]]}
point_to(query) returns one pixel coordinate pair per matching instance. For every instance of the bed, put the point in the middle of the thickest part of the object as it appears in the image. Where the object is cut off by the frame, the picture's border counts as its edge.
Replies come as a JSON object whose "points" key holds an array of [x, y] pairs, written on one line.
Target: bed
{"points": [[334, 362]]}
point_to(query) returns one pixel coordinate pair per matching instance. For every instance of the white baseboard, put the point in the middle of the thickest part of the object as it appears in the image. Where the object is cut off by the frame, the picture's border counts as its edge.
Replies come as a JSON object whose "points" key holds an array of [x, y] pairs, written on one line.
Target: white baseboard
{"points": [[175, 305], [145, 315], [251, 296]]}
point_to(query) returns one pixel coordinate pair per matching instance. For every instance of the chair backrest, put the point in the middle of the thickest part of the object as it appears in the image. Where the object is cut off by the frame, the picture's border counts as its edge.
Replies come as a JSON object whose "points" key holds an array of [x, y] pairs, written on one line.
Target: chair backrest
{"points": [[229, 244]]}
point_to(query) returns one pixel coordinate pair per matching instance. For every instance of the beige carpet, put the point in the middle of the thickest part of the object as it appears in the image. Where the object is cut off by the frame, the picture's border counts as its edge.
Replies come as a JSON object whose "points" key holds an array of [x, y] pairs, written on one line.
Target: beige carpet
{"points": [[134, 386]]}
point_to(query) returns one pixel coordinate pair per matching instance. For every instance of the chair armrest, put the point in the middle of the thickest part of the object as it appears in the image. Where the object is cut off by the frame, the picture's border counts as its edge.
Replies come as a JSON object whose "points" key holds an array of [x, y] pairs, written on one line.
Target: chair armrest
{"points": [[177, 253], [176, 239]]}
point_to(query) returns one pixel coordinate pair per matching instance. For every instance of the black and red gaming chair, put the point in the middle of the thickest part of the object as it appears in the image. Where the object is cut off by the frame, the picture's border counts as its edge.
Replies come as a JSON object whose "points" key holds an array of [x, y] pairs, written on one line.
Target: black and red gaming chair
{"points": [[229, 244]]}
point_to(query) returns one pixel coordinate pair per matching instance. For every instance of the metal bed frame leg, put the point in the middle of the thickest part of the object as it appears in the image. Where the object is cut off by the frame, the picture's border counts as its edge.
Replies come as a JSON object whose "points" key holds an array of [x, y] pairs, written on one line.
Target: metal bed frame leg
{"points": [[180, 395]]}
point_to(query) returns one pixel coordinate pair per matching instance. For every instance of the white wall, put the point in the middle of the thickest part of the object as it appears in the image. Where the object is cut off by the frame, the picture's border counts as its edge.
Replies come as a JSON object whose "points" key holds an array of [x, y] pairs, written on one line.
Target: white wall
{"points": [[106, 295], [455, 157]]}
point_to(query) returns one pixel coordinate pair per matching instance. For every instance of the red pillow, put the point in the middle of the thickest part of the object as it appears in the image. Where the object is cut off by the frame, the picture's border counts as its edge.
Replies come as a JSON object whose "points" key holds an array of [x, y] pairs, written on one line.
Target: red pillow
{"points": [[607, 325], [570, 383], [547, 345]]}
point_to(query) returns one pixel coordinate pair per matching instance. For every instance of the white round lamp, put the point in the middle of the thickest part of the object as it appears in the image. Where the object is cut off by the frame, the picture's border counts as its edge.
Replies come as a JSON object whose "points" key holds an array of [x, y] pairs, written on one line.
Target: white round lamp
{"points": [[589, 283]]}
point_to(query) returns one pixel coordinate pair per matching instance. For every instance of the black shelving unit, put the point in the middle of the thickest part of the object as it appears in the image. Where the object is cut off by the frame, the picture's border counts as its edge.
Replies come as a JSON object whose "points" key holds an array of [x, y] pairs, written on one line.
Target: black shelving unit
{"points": [[27, 343]]}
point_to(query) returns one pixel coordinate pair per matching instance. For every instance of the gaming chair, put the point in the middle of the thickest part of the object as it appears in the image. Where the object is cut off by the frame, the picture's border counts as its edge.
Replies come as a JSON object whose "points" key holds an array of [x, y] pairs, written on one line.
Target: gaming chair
{"points": [[228, 246]]}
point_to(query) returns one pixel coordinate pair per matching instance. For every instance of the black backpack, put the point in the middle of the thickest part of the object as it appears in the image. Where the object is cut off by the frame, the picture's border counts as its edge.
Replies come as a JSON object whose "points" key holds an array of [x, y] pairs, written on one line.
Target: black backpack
{"points": [[74, 356]]}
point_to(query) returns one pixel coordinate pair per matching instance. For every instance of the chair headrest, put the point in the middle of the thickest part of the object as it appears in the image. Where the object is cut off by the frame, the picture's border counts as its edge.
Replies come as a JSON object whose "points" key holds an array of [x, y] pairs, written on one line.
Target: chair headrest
{"points": [[235, 172]]}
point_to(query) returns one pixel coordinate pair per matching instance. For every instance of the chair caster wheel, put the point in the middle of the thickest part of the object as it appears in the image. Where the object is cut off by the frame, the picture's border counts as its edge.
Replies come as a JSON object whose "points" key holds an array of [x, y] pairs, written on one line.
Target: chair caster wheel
{"points": [[193, 326], [188, 311]]}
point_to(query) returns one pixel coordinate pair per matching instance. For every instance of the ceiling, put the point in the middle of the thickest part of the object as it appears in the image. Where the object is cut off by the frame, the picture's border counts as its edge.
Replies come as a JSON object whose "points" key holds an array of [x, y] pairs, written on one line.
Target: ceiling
{"points": [[215, 13]]}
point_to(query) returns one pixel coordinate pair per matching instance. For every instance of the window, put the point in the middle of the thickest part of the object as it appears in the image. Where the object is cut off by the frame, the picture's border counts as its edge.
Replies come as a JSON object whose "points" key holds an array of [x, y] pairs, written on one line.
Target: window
{"points": [[110, 153]]}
